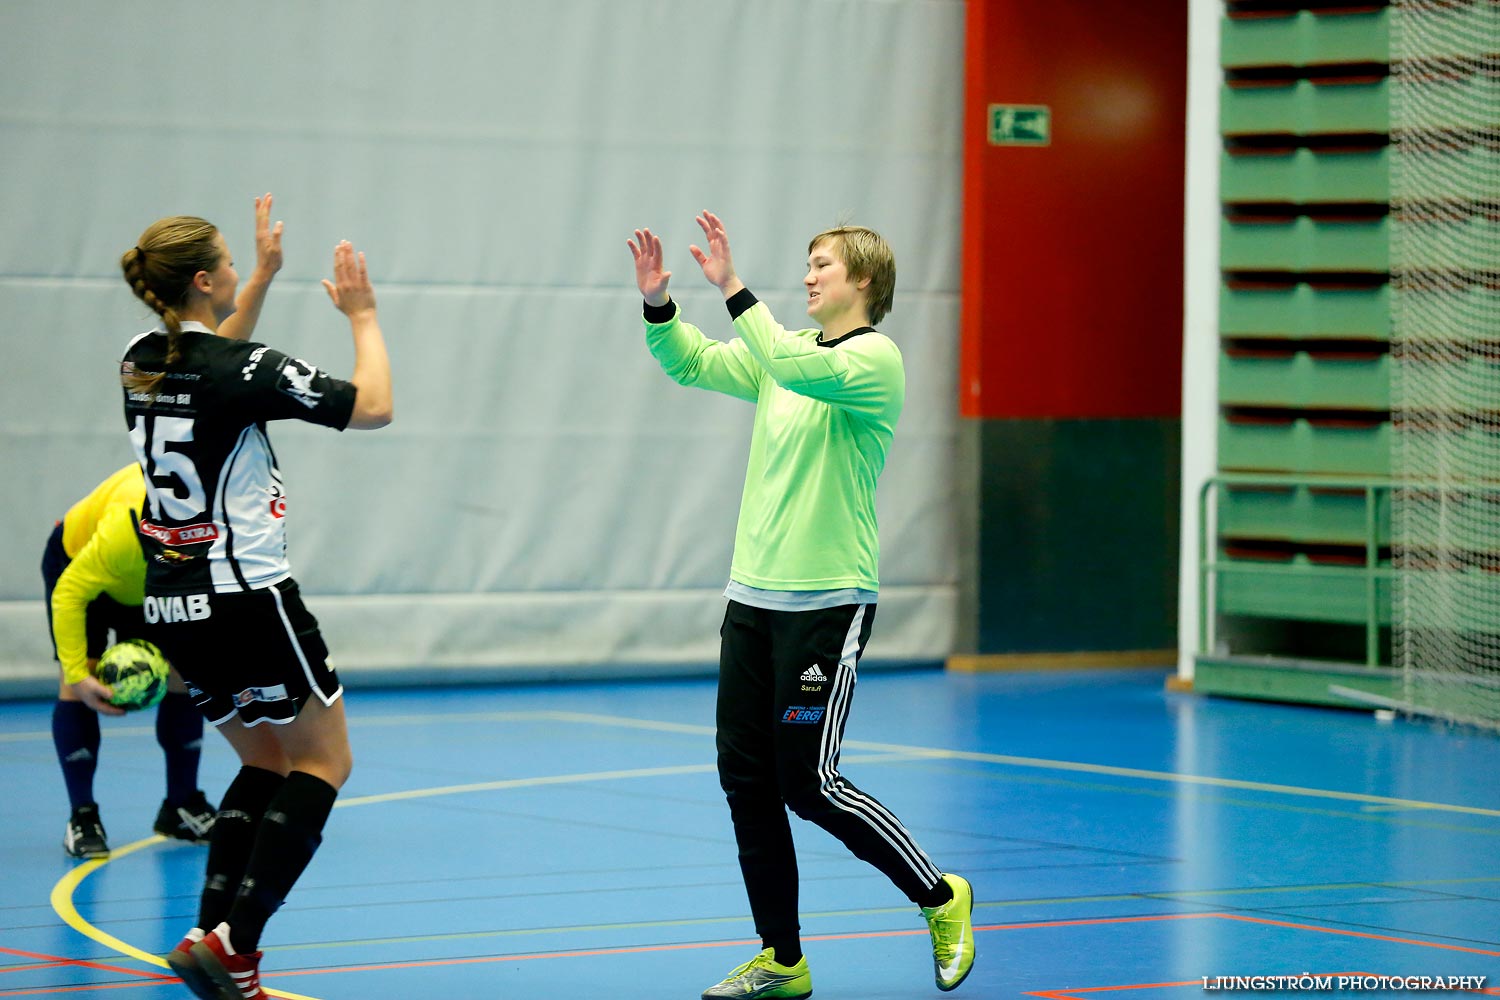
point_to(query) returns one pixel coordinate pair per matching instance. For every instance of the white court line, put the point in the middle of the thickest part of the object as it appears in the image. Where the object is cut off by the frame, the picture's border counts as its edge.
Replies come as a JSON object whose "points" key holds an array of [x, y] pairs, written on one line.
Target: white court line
{"points": [[912, 752], [574, 779], [1065, 765]]}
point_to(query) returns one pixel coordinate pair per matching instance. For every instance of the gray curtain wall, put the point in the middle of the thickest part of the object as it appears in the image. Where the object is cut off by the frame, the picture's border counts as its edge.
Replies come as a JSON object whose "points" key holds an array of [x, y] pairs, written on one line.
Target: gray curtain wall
{"points": [[546, 496]]}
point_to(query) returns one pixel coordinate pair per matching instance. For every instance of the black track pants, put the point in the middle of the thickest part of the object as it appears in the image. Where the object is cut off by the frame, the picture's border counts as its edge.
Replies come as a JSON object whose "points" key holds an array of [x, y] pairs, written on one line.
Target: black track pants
{"points": [[786, 681]]}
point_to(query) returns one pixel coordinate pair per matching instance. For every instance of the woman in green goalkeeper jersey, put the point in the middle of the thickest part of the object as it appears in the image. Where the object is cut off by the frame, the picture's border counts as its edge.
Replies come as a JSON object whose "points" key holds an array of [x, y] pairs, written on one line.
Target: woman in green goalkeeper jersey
{"points": [[804, 580]]}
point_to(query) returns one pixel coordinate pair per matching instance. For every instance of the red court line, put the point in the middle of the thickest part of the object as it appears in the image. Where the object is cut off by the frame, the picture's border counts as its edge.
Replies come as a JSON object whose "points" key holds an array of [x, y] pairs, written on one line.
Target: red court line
{"points": [[1245, 919], [89, 988], [646, 949], [636, 950], [1358, 934], [53, 961], [1066, 994], [1070, 994], [1093, 920], [485, 959]]}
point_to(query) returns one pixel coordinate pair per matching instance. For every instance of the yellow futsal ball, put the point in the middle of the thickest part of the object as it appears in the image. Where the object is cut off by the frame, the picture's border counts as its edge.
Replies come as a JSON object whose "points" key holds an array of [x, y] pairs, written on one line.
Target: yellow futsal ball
{"points": [[137, 672]]}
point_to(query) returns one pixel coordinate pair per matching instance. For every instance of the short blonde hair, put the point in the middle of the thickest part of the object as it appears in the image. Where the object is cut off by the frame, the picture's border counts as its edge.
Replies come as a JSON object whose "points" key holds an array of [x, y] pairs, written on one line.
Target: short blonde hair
{"points": [[865, 254]]}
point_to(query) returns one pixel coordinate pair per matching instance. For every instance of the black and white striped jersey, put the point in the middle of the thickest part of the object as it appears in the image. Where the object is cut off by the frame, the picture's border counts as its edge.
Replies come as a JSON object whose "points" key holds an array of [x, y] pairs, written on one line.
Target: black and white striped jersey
{"points": [[215, 511]]}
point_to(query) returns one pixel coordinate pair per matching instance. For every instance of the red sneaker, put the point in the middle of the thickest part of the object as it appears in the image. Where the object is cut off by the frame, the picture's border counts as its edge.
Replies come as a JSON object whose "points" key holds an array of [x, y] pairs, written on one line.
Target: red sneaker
{"points": [[186, 966], [235, 977]]}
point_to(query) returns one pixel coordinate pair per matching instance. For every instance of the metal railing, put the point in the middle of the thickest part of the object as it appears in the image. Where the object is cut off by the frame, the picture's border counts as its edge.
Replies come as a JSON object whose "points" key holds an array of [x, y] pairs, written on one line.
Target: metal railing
{"points": [[1211, 566]]}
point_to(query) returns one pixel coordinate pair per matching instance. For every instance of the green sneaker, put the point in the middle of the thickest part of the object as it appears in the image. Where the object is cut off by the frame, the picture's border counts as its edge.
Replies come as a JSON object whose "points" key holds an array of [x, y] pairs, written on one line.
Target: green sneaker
{"points": [[952, 931], [763, 976]]}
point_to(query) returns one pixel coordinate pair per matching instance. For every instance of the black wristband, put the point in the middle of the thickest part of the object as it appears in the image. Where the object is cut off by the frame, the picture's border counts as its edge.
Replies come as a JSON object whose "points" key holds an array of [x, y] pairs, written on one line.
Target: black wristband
{"points": [[740, 302], [659, 314]]}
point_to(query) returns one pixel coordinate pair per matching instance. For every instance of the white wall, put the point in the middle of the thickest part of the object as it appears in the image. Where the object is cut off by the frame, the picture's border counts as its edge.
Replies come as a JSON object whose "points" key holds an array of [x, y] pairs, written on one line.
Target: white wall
{"points": [[546, 497], [1200, 334]]}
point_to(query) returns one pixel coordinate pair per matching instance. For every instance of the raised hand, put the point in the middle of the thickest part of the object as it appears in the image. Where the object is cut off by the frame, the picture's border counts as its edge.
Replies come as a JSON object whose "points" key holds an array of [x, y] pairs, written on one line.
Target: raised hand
{"points": [[350, 288], [267, 238], [717, 264], [241, 324], [649, 276]]}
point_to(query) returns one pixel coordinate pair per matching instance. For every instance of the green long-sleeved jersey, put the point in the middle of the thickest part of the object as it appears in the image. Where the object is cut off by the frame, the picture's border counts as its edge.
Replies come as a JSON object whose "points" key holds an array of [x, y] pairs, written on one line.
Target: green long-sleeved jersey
{"points": [[825, 415]]}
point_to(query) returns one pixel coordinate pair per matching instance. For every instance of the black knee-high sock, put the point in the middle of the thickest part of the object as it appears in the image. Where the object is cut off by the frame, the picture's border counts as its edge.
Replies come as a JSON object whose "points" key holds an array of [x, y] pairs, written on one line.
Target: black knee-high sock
{"points": [[233, 840], [75, 734], [179, 733], [289, 836]]}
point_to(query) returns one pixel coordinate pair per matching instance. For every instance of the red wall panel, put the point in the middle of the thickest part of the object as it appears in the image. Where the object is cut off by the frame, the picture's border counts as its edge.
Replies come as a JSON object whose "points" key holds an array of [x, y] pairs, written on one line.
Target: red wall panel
{"points": [[1072, 252]]}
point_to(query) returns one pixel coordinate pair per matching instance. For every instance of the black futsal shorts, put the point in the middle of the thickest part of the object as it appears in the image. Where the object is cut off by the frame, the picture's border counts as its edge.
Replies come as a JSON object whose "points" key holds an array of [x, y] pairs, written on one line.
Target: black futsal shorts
{"points": [[257, 653]]}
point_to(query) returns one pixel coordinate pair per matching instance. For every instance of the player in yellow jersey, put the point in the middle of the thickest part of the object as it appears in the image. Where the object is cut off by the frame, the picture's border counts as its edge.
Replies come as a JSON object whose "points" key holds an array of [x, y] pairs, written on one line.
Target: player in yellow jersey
{"points": [[95, 574]]}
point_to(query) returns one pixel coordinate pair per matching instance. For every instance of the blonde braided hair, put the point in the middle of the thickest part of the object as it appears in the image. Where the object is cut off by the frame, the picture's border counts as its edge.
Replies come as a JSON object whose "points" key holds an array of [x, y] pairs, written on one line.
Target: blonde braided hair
{"points": [[159, 269]]}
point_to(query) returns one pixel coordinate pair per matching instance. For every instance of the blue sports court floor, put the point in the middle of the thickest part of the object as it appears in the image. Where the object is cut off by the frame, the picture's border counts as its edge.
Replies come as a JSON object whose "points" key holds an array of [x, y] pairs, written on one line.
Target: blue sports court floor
{"points": [[570, 841]]}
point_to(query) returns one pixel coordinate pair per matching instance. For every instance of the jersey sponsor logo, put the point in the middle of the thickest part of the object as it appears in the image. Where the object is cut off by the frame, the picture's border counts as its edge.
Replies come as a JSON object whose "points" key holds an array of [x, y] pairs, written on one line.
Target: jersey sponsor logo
{"points": [[296, 381], [163, 398], [253, 362], [177, 608], [128, 368], [188, 534], [803, 716], [276, 692]]}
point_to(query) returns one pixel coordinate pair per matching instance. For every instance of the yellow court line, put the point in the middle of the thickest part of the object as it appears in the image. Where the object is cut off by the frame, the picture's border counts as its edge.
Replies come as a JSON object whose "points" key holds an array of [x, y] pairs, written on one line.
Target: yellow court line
{"points": [[62, 892], [62, 905], [62, 902]]}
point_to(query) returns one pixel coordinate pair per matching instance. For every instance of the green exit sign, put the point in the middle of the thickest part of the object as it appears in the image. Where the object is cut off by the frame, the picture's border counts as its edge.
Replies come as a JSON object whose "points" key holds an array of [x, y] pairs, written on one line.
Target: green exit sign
{"points": [[1020, 125]]}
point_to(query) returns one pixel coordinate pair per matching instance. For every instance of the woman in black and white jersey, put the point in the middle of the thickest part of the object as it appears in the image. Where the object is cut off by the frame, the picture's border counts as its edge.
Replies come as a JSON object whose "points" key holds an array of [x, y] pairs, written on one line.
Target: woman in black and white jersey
{"points": [[219, 590]]}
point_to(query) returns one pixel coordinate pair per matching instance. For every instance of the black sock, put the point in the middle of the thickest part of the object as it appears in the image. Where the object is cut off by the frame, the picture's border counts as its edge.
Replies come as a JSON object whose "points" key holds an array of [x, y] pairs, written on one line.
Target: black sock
{"points": [[788, 950], [937, 895], [75, 735], [288, 837], [232, 840], [179, 733]]}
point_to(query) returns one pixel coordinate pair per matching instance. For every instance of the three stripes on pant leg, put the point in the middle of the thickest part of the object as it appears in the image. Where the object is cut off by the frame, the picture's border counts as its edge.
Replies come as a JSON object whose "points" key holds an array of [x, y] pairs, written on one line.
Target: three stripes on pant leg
{"points": [[839, 792]]}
